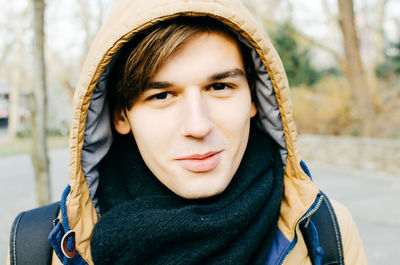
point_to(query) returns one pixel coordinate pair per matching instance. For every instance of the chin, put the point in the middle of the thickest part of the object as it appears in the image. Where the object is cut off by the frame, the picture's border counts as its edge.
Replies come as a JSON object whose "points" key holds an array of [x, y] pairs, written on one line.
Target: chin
{"points": [[200, 195], [204, 191]]}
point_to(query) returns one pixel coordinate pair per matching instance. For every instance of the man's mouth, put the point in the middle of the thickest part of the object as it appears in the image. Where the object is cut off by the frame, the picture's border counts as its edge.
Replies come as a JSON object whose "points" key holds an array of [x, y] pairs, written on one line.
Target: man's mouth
{"points": [[200, 162]]}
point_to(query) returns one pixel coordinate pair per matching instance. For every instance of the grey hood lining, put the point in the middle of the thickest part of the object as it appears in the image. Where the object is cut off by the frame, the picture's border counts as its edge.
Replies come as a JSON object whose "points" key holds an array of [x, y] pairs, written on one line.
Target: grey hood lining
{"points": [[98, 135]]}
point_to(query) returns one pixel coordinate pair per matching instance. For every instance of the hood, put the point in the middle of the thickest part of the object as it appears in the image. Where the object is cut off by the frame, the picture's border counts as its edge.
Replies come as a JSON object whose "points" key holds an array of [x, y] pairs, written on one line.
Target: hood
{"points": [[91, 135]]}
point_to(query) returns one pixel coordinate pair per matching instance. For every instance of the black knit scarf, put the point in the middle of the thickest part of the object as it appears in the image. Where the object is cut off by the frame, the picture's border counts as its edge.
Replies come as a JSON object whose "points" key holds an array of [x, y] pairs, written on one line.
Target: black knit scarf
{"points": [[145, 223]]}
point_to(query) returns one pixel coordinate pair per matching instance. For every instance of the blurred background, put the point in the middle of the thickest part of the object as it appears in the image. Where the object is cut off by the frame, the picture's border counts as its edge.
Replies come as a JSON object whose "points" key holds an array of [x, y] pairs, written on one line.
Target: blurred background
{"points": [[342, 58]]}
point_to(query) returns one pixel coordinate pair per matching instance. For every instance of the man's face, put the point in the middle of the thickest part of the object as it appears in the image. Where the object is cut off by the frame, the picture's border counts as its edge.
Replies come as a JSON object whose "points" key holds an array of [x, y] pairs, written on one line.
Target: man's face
{"points": [[192, 124]]}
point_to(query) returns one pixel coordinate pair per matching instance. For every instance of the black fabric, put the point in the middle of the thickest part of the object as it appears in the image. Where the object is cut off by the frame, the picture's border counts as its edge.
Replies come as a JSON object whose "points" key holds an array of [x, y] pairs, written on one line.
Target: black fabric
{"points": [[327, 226], [29, 233], [145, 223]]}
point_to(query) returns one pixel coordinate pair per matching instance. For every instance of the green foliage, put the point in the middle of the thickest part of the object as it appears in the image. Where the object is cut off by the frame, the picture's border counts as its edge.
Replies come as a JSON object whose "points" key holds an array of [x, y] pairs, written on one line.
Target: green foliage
{"points": [[391, 65], [295, 57]]}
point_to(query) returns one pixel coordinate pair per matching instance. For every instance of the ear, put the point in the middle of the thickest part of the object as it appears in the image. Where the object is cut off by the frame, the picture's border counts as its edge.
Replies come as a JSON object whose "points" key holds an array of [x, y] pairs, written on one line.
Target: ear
{"points": [[121, 123], [253, 110]]}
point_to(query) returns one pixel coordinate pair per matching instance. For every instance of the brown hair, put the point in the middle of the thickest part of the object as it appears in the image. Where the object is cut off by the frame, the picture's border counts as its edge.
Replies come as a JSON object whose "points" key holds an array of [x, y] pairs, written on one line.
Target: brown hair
{"points": [[139, 60]]}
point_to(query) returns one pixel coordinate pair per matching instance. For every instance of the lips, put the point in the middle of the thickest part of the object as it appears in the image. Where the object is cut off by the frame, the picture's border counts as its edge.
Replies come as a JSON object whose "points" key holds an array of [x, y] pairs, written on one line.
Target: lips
{"points": [[200, 162]]}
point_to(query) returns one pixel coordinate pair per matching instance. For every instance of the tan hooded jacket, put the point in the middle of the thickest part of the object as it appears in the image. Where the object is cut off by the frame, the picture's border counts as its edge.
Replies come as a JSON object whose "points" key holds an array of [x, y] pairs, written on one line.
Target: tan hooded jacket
{"points": [[89, 139]]}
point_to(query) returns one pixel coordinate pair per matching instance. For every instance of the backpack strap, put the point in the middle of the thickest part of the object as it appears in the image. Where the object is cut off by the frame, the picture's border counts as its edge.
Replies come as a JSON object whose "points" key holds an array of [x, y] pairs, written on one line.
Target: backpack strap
{"points": [[29, 233], [322, 235]]}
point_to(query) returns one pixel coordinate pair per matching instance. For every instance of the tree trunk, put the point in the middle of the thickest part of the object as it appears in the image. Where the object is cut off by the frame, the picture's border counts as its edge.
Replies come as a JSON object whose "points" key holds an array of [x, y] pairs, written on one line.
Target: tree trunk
{"points": [[362, 111], [38, 108], [13, 117], [16, 74]]}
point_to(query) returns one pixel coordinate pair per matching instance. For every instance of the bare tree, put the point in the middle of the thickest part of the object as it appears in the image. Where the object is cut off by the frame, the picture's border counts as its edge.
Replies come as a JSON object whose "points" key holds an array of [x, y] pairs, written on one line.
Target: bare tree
{"points": [[85, 17], [38, 108], [61, 71], [15, 75], [90, 14], [11, 57], [362, 111], [13, 117], [91, 17]]}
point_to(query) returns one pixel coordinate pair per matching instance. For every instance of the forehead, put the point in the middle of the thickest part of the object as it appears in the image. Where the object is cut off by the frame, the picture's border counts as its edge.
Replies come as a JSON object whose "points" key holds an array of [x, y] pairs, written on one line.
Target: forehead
{"points": [[203, 54]]}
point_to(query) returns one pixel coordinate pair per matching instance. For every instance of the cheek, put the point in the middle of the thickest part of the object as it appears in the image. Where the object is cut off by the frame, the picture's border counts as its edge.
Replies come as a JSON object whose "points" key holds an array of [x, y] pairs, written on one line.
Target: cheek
{"points": [[152, 131], [233, 115]]}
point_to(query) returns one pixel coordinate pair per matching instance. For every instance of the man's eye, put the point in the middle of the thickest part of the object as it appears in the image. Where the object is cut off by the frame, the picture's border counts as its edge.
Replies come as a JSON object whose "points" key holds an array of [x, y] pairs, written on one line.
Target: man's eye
{"points": [[160, 96], [219, 86]]}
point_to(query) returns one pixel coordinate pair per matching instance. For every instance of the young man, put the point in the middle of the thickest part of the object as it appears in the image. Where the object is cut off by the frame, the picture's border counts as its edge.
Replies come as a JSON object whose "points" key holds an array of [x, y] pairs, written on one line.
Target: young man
{"points": [[183, 147]]}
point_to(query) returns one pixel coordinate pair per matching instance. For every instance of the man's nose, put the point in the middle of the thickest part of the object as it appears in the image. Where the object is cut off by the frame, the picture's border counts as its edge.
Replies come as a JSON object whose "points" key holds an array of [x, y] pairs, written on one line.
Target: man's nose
{"points": [[195, 116]]}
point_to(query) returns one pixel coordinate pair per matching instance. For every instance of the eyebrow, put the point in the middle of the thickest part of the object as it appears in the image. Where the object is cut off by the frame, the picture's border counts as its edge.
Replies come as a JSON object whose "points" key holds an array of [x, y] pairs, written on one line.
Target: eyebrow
{"points": [[159, 85], [236, 72]]}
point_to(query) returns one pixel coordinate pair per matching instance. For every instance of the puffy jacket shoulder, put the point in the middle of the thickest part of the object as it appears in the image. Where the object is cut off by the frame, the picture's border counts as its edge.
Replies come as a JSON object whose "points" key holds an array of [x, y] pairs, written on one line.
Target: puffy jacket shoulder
{"points": [[352, 246], [354, 253]]}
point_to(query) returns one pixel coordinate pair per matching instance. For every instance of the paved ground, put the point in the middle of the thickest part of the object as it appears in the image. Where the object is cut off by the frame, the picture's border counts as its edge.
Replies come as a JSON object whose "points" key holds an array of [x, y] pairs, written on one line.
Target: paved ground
{"points": [[3, 133], [372, 197], [17, 190]]}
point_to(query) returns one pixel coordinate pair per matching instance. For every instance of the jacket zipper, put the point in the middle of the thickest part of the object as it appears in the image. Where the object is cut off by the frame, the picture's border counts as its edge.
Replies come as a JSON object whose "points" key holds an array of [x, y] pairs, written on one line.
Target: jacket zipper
{"points": [[305, 216]]}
